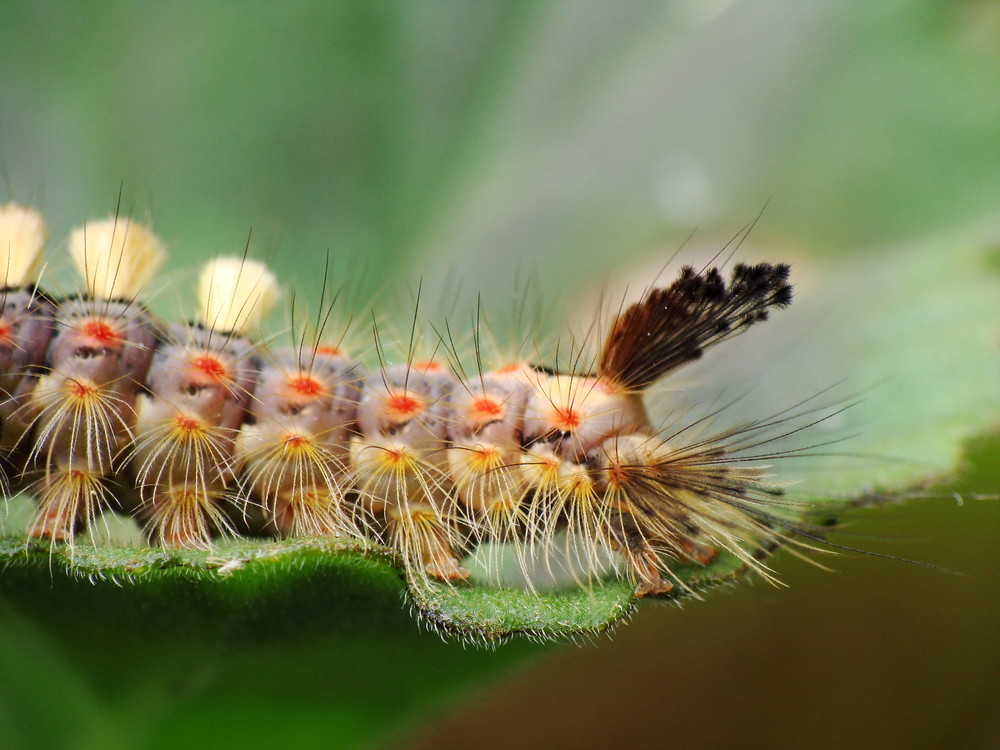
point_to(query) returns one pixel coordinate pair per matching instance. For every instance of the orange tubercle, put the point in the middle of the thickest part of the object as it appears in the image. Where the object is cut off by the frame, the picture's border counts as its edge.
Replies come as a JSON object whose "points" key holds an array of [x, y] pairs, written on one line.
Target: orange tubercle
{"points": [[209, 366], [485, 457], [512, 367], [427, 366], [330, 351], [80, 389], [5, 331], [402, 406], [616, 476], [305, 386], [398, 457], [566, 419], [296, 441], [100, 332], [188, 424], [486, 408]]}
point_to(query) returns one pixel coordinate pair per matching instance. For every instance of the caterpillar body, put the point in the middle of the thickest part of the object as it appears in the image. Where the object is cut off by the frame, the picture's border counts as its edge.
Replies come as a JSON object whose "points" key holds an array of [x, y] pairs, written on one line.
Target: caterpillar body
{"points": [[205, 431]]}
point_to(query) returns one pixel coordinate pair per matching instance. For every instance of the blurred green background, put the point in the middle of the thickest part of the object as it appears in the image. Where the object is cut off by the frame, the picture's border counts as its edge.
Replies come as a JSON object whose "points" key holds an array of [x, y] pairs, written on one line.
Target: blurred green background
{"points": [[576, 143]]}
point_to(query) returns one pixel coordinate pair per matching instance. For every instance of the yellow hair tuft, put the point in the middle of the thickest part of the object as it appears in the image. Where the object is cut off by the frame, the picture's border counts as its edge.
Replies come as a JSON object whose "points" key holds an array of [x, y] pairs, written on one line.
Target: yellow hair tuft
{"points": [[116, 257], [22, 237], [234, 294]]}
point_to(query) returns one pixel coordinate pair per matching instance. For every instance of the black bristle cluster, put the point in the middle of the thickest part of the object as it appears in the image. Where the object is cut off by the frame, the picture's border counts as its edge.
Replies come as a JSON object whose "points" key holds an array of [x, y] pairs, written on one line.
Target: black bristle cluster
{"points": [[674, 324]]}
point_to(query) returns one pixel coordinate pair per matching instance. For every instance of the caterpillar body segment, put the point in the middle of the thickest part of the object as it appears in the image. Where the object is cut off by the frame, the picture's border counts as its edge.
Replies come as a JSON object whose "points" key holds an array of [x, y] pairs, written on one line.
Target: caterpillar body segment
{"points": [[26, 326], [186, 430], [575, 414], [200, 387], [526, 462], [568, 420], [484, 459], [82, 409], [484, 452], [400, 465], [295, 452], [26, 322]]}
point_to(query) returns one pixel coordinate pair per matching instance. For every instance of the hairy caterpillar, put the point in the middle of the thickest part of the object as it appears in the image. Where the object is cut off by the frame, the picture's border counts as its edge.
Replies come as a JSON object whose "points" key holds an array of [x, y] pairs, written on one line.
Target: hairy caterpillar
{"points": [[215, 433]]}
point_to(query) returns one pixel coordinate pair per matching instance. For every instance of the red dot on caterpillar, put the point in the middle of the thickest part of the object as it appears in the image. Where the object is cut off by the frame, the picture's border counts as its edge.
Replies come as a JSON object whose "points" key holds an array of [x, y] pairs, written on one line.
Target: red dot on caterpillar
{"points": [[401, 407], [210, 366], [187, 424], [305, 386], [429, 365], [485, 409], [99, 333]]}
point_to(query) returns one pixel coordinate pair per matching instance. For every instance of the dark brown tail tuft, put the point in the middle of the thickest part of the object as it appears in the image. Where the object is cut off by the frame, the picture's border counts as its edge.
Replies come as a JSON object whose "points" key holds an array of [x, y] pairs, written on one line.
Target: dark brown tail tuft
{"points": [[675, 324]]}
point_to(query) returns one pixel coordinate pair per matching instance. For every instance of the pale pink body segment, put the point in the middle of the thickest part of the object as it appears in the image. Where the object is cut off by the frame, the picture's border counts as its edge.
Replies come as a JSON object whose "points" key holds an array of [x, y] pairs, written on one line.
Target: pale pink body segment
{"points": [[200, 387], [26, 325], [295, 452], [534, 453], [400, 464], [486, 430], [83, 408]]}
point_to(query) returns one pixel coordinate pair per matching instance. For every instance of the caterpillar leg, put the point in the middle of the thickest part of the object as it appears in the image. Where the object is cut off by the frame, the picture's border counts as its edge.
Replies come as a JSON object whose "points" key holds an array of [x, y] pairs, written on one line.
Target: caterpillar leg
{"points": [[311, 510], [185, 517], [696, 552], [644, 565], [68, 500], [419, 533]]}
